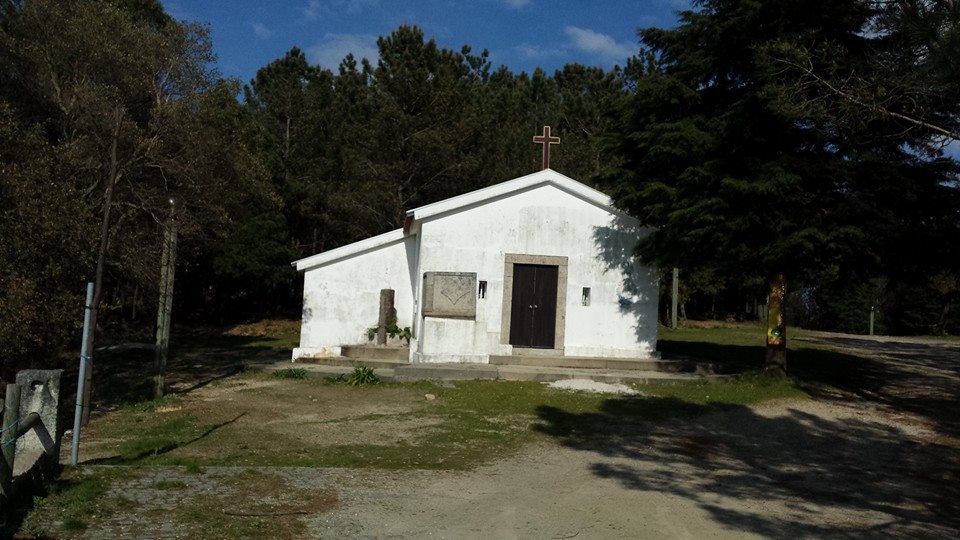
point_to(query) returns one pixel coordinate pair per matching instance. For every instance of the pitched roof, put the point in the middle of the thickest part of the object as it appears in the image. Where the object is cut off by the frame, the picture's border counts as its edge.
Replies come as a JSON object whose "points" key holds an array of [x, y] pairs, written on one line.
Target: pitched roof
{"points": [[544, 177], [453, 204], [355, 248]]}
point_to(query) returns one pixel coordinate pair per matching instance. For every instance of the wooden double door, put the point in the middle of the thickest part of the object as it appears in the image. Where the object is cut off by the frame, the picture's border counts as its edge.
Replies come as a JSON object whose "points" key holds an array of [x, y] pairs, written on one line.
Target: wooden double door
{"points": [[533, 311]]}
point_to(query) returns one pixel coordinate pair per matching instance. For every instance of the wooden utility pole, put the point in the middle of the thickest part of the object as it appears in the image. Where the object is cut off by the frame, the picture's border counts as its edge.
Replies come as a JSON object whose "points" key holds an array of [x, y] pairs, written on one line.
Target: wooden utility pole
{"points": [[112, 179], [168, 264], [674, 301]]}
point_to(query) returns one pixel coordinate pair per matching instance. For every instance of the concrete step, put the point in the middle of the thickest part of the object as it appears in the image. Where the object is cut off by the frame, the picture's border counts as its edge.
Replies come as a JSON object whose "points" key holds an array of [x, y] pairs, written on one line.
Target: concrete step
{"points": [[446, 372], [462, 372], [585, 362], [627, 376], [373, 352], [343, 361]]}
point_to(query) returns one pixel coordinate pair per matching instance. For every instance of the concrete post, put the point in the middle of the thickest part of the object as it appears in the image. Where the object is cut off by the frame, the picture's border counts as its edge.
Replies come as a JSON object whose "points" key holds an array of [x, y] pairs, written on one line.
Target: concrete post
{"points": [[674, 300], [872, 308], [386, 308], [11, 415]]}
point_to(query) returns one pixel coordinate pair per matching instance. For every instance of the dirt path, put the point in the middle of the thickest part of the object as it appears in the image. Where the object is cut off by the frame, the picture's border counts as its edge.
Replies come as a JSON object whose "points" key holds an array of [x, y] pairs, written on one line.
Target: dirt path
{"points": [[879, 457], [882, 462]]}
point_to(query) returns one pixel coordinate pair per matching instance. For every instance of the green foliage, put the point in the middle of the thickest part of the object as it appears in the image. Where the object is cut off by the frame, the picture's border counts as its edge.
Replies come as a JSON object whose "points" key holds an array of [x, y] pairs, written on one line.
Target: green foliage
{"points": [[362, 375], [735, 178], [290, 373], [393, 331], [74, 499]]}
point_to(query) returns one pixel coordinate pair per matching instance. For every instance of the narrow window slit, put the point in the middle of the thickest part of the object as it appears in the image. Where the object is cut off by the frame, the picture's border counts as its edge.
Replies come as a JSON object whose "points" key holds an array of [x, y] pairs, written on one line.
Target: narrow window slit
{"points": [[482, 290], [585, 297]]}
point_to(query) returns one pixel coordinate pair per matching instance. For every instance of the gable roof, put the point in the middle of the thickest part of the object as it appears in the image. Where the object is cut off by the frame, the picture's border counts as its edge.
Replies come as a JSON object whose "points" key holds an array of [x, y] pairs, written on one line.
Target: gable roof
{"points": [[355, 248], [544, 177], [453, 204]]}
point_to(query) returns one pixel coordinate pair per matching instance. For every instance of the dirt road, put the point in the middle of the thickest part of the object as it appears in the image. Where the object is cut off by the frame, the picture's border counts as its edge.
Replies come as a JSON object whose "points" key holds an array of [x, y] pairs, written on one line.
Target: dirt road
{"points": [[882, 461]]}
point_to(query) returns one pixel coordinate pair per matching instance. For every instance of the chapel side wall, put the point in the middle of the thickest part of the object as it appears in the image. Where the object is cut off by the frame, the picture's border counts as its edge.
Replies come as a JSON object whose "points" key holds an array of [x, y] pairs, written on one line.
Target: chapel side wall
{"points": [[621, 318], [341, 300]]}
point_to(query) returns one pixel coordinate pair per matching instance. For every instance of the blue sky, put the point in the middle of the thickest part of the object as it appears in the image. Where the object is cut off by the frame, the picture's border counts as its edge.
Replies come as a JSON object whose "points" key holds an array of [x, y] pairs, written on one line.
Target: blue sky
{"points": [[521, 34]]}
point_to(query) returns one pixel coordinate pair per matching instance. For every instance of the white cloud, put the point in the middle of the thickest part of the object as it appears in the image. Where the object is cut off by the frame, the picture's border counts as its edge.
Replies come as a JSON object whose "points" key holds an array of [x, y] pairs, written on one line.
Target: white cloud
{"points": [[312, 11], [334, 47], [315, 8], [516, 4], [599, 44], [536, 51], [261, 31]]}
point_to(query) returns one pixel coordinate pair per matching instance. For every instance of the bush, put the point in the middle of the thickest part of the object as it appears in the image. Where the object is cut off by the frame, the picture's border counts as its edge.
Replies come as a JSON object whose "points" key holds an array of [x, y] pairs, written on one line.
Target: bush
{"points": [[362, 375]]}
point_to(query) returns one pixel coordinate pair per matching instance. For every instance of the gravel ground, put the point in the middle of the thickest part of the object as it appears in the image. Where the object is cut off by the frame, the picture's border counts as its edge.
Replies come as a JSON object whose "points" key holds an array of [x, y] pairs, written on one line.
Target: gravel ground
{"points": [[879, 461]]}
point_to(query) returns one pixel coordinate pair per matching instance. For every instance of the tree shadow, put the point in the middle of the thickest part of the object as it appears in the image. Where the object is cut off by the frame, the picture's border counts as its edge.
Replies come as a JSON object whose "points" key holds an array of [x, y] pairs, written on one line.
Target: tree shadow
{"points": [[128, 460], [770, 475], [198, 358], [639, 289], [921, 379]]}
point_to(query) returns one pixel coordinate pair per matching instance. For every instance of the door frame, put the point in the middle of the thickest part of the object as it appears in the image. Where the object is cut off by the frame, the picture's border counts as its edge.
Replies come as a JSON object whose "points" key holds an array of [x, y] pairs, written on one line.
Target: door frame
{"points": [[509, 259]]}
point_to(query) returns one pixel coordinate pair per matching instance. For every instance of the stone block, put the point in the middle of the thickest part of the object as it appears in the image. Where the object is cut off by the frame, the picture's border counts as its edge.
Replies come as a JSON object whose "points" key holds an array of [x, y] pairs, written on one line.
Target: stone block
{"points": [[39, 393], [450, 295]]}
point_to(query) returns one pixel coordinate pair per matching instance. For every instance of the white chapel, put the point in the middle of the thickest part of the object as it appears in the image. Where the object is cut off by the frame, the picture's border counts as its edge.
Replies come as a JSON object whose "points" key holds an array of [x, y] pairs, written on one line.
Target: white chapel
{"points": [[537, 265]]}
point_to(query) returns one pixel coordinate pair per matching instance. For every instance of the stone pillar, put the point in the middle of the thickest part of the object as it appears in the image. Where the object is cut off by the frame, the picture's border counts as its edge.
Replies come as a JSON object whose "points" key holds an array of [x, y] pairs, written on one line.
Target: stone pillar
{"points": [[39, 393], [386, 310]]}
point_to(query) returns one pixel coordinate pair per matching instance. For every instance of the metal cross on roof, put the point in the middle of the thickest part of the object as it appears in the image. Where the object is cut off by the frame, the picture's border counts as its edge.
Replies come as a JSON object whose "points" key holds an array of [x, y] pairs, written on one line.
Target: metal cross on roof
{"points": [[546, 140]]}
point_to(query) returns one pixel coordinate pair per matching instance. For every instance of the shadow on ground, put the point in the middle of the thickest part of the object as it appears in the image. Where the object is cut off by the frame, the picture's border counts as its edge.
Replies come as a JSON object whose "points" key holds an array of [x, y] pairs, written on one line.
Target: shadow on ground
{"points": [[198, 358], [922, 379], [771, 475]]}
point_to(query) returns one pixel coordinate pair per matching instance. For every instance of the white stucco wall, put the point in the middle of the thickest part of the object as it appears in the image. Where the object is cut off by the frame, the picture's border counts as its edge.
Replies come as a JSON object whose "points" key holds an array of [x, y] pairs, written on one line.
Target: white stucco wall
{"points": [[621, 319], [341, 299]]}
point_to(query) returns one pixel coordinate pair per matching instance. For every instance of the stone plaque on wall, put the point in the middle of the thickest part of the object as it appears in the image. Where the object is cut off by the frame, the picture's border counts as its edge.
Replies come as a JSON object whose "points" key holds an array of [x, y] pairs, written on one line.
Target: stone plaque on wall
{"points": [[450, 294]]}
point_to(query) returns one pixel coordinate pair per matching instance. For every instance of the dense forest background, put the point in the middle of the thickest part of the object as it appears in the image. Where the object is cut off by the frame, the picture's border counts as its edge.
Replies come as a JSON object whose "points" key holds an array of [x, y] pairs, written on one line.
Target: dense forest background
{"points": [[110, 110]]}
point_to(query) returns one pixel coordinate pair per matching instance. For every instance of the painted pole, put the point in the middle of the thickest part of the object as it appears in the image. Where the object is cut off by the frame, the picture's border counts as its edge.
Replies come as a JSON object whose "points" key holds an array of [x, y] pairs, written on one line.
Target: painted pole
{"points": [[81, 378], [676, 293], [872, 309], [8, 439]]}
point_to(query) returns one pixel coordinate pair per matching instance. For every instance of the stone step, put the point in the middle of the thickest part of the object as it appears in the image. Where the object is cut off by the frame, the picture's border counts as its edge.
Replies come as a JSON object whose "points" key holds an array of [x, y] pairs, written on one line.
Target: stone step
{"points": [[584, 362], [627, 376], [343, 361], [463, 372], [447, 372], [372, 352]]}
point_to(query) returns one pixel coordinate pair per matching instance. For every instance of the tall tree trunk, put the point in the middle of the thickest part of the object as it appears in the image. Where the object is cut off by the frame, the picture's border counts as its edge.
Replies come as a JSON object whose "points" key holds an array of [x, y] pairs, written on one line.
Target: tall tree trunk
{"points": [[168, 267], [101, 261], [776, 326]]}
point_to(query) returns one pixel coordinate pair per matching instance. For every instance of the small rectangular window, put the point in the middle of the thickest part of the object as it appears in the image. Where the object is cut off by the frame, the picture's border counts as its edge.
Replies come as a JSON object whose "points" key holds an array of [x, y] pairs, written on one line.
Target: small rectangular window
{"points": [[585, 297], [482, 290]]}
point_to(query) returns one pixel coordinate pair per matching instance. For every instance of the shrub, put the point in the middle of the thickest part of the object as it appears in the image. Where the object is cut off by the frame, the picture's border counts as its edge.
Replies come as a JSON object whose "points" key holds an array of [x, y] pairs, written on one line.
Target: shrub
{"points": [[362, 375], [290, 373]]}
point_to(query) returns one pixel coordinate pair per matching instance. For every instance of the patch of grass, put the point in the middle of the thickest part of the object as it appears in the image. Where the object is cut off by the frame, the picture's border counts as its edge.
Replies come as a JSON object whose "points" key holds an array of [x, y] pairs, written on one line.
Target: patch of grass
{"points": [[254, 505], [745, 390], [812, 365], [74, 500], [290, 373], [391, 426]]}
